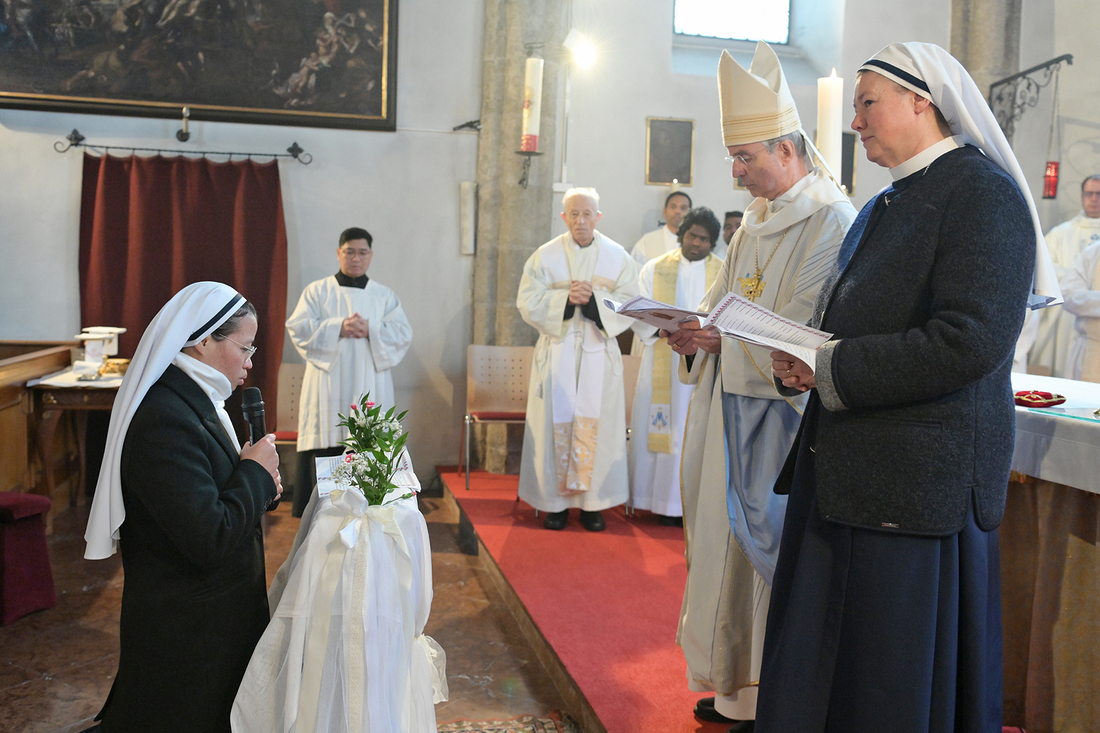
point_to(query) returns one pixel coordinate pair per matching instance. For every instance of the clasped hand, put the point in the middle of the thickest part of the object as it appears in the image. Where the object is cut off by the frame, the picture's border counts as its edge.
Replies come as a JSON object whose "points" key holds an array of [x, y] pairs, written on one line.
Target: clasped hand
{"points": [[690, 337], [265, 454], [580, 292], [355, 327]]}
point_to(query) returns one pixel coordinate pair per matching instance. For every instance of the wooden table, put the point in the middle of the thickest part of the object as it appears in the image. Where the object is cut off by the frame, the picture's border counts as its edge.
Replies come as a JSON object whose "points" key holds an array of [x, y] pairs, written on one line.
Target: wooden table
{"points": [[51, 402]]}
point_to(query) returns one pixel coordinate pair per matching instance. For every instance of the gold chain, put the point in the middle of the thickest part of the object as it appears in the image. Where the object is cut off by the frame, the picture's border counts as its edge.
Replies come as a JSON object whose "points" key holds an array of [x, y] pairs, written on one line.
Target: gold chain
{"points": [[753, 287]]}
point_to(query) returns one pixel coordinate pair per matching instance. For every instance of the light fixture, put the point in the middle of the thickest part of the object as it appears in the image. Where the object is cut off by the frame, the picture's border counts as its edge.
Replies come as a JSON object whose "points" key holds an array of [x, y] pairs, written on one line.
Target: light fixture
{"points": [[584, 52]]}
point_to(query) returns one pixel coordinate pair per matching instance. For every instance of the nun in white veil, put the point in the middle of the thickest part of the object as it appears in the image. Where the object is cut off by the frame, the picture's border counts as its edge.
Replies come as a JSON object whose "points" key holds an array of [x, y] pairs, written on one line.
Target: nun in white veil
{"points": [[182, 500], [885, 612]]}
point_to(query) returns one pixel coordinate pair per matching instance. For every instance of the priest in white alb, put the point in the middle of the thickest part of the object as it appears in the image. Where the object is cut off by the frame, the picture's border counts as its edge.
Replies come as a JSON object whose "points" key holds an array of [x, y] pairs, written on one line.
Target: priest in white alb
{"points": [[574, 445], [739, 428], [352, 331], [664, 238], [1056, 338], [681, 277]]}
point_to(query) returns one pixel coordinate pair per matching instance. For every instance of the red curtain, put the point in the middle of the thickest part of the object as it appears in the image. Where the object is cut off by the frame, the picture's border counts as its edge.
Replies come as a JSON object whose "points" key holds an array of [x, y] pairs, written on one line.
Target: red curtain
{"points": [[150, 226]]}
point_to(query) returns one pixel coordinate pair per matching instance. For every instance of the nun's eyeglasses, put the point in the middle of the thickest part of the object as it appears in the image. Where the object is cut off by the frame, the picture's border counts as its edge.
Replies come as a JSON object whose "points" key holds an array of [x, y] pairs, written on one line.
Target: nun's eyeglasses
{"points": [[248, 350]]}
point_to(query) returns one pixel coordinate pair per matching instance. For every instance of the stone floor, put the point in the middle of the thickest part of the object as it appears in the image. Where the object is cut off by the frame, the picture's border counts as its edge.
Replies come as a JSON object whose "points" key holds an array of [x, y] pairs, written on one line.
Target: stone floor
{"points": [[56, 666]]}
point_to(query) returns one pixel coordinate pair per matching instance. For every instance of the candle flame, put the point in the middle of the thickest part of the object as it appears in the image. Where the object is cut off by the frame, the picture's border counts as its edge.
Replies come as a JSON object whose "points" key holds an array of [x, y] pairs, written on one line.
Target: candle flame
{"points": [[833, 75]]}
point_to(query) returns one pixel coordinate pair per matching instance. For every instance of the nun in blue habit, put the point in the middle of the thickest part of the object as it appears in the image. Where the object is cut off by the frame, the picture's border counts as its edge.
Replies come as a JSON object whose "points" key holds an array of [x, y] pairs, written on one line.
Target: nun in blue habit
{"points": [[886, 607]]}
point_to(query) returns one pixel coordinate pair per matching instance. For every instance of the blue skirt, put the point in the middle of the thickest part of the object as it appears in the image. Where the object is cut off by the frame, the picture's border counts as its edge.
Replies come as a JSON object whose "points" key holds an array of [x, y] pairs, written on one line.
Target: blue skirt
{"points": [[871, 631]]}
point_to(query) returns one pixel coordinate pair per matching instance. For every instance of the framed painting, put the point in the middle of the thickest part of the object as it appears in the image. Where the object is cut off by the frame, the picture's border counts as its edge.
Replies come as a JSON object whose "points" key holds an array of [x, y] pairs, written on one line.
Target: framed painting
{"points": [[320, 63], [669, 148]]}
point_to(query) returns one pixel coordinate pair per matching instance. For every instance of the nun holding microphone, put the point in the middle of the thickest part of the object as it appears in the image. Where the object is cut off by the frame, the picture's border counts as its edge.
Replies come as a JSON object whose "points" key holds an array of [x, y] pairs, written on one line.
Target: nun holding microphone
{"points": [[886, 607], [182, 500]]}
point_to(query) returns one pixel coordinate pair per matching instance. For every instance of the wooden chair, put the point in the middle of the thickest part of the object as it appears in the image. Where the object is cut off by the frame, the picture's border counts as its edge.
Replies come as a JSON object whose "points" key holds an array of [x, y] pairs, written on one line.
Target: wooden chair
{"points": [[497, 380], [290, 392]]}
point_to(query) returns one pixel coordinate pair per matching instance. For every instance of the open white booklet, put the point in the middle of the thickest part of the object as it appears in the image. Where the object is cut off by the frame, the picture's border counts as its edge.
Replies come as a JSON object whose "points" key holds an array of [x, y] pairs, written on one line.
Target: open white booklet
{"points": [[736, 317]]}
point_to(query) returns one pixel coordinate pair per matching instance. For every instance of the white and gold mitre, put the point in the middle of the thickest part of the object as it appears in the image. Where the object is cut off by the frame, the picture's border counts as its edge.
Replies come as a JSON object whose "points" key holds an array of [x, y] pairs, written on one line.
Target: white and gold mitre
{"points": [[756, 104]]}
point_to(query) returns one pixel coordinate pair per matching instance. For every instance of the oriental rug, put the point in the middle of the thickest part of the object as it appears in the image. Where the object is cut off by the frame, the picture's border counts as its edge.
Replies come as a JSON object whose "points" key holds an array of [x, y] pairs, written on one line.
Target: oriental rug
{"points": [[522, 724]]}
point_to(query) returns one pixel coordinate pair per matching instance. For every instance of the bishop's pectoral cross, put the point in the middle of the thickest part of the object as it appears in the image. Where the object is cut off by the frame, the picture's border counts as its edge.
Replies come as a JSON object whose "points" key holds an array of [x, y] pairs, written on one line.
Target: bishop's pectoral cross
{"points": [[752, 287]]}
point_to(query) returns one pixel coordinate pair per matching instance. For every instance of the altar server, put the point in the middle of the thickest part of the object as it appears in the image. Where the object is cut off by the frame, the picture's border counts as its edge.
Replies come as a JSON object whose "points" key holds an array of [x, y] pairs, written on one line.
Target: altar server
{"points": [[352, 331], [680, 277], [664, 238], [739, 428], [1056, 338], [574, 445]]}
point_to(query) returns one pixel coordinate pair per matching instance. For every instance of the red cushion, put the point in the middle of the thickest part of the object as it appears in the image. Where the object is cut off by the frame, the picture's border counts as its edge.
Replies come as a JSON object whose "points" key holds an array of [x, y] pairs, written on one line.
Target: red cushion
{"points": [[15, 506], [1036, 398], [482, 415], [286, 435]]}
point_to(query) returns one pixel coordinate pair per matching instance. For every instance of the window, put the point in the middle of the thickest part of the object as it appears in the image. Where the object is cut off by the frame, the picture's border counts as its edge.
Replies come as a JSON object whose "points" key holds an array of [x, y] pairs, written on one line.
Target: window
{"points": [[742, 20]]}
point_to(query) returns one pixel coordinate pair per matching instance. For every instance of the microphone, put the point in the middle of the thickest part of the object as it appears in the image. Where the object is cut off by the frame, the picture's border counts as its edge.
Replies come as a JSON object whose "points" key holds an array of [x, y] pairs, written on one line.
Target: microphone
{"points": [[252, 405]]}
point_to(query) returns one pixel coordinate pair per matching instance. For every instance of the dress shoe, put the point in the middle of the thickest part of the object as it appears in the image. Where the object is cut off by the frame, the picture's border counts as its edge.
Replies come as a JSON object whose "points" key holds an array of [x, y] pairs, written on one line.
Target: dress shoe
{"points": [[704, 710], [557, 520], [666, 521], [593, 521], [743, 726]]}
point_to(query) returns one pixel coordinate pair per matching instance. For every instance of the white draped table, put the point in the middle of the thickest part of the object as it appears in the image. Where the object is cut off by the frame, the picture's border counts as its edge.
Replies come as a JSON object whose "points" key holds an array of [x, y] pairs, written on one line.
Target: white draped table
{"points": [[345, 651], [1050, 562]]}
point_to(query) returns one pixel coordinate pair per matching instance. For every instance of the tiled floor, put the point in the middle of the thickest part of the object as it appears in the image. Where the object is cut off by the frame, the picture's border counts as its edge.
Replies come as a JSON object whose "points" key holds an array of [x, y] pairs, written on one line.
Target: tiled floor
{"points": [[56, 666]]}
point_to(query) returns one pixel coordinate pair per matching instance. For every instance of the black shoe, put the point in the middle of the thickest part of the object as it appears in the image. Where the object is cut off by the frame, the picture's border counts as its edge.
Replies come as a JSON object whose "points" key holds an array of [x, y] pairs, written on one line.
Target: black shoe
{"points": [[666, 521], [704, 710], [743, 726], [557, 520], [593, 521]]}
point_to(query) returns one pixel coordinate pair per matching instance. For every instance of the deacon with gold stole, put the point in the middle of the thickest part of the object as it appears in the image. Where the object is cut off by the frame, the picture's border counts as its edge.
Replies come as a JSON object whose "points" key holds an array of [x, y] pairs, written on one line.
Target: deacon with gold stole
{"points": [[739, 428], [574, 444], [681, 277]]}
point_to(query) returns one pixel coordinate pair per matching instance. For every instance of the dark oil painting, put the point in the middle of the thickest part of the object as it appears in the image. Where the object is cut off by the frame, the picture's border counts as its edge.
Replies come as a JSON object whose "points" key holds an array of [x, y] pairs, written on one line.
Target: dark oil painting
{"points": [[326, 63]]}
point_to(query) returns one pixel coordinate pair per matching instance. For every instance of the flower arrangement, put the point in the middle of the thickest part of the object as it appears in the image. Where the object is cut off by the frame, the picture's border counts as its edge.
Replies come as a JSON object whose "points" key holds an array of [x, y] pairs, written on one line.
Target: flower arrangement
{"points": [[374, 446]]}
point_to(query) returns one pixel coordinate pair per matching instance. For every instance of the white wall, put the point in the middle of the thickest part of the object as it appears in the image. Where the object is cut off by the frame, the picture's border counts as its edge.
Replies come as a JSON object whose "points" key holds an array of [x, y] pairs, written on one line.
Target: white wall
{"points": [[402, 186], [632, 80]]}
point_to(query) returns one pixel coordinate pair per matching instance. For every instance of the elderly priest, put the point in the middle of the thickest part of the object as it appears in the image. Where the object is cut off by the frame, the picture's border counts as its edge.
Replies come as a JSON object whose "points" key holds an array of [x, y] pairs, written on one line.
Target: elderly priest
{"points": [[574, 447], [739, 428]]}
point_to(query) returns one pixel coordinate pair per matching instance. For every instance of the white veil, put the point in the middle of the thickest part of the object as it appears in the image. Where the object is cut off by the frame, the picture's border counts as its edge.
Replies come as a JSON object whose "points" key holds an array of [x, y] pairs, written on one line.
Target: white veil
{"points": [[189, 317]]}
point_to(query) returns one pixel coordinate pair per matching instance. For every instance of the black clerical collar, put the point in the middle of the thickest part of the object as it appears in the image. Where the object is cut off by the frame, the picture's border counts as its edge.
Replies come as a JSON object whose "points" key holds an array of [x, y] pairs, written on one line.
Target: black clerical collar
{"points": [[348, 281]]}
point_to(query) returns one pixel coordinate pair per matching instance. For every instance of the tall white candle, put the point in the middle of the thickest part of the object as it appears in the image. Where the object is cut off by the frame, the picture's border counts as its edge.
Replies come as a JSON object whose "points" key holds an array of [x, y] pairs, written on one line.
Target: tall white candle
{"points": [[830, 119], [532, 105]]}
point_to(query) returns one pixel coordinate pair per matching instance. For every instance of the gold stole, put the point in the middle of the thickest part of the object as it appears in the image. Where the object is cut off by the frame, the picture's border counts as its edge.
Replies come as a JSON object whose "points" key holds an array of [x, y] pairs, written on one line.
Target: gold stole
{"points": [[665, 275]]}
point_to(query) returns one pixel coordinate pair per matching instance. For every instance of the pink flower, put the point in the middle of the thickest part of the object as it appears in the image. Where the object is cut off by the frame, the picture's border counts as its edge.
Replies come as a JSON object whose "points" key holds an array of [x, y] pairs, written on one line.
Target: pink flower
{"points": [[355, 407], [349, 458], [369, 405]]}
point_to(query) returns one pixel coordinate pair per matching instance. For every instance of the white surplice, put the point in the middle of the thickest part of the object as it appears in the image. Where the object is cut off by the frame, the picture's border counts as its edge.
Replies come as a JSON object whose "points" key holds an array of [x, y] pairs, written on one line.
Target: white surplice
{"points": [[655, 476], [340, 370], [1055, 338], [542, 300], [345, 651], [1081, 289], [736, 406], [654, 244]]}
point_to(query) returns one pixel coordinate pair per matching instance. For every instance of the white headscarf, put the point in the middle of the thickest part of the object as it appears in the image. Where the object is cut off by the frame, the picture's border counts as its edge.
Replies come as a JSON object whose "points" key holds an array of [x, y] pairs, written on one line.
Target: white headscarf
{"points": [[933, 73], [190, 316]]}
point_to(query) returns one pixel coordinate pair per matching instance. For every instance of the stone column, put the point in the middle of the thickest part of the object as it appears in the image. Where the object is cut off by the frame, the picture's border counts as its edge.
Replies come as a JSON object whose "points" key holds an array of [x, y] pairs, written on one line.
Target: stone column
{"points": [[985, 37], [512, 220]]}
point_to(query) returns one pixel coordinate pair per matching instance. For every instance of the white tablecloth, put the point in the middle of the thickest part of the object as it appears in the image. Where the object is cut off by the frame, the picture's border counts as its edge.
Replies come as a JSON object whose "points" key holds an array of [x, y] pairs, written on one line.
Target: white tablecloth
{"points": [[1059, 444]]}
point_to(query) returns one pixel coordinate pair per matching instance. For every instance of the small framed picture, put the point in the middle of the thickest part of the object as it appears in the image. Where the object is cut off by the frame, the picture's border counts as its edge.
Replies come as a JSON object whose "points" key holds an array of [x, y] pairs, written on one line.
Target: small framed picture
{"points": [[669, 151]]}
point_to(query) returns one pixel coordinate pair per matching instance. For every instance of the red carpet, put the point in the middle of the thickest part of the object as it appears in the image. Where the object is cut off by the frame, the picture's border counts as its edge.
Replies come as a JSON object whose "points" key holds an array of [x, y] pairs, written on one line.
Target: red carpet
{"points": [[607, 602]]}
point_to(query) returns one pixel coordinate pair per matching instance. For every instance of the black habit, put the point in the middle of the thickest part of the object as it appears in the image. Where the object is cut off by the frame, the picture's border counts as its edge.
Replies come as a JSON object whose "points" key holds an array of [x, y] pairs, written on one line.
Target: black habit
{"points": [[194, 602]]}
